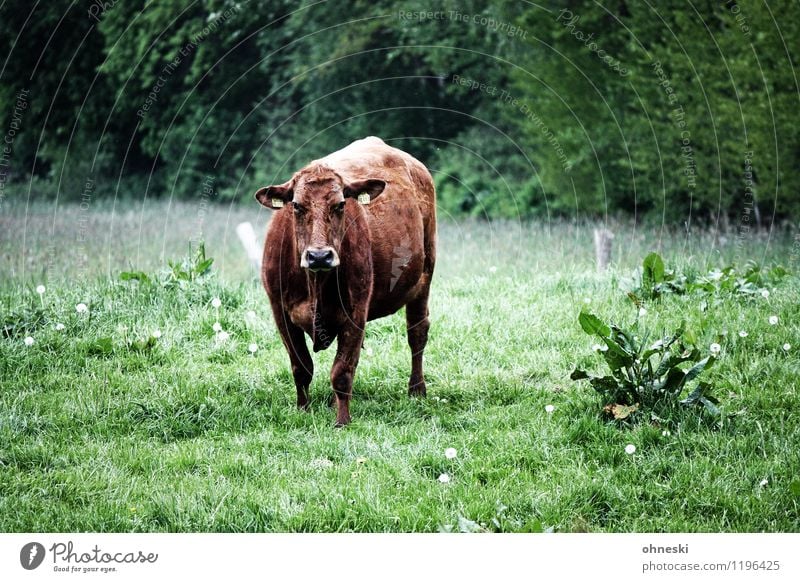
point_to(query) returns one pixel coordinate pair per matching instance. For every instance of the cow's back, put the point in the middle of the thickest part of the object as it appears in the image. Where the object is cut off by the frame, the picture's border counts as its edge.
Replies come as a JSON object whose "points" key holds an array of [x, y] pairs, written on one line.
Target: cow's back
{"points": [[402, 219], [371, 157]]}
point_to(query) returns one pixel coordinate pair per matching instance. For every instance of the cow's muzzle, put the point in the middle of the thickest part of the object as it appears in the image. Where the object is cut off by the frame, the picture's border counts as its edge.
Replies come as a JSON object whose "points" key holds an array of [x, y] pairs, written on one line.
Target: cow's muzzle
{"points": [[320, 259]]}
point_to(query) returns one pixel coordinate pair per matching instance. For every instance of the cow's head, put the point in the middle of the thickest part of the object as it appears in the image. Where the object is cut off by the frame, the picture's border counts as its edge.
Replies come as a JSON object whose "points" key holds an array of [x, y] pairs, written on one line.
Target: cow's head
{"points": [[317, 199]]}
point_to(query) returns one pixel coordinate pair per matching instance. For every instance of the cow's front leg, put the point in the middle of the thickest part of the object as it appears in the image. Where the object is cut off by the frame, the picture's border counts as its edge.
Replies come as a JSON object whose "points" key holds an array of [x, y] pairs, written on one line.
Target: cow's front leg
{"points": [[344, 369], [299, 356]]}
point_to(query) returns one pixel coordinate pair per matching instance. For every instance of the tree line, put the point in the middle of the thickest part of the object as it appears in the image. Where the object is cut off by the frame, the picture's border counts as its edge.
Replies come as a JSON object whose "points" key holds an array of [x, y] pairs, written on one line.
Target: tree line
{"points": [[674, 110]]}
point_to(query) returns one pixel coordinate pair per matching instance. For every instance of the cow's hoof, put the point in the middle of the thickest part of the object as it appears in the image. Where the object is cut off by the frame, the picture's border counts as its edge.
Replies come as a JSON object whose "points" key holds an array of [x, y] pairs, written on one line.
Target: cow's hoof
{"points": [[341, 423], [417, 391]]}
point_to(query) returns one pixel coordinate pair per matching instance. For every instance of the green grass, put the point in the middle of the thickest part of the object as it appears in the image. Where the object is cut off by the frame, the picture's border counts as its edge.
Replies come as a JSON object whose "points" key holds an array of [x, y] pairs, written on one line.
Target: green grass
{"points": [[194, 435]]}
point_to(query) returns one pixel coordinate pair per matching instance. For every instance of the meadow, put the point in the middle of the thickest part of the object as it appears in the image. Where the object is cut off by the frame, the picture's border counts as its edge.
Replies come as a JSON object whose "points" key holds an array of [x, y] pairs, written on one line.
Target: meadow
{"points": [[136, 415]]}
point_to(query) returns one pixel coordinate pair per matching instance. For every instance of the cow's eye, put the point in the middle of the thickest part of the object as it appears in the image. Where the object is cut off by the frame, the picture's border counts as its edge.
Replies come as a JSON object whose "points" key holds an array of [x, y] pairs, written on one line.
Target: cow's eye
{"points": [[339, 207], [297, 208]]}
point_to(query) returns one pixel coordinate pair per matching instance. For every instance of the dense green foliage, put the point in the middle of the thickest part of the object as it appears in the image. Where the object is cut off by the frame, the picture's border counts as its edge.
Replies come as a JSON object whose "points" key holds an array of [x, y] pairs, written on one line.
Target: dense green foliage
{"points": [[520, 109]]}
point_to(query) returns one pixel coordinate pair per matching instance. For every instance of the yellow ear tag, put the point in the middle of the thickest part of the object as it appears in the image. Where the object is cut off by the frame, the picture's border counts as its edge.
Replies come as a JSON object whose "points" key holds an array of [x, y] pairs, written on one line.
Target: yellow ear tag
{"points": [[363, 199], [277, 203]]}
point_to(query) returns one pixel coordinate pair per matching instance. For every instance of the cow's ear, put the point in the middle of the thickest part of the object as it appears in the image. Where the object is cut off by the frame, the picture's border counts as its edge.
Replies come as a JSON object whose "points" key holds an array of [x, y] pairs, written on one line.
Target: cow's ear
{"points": [[365, 191], [275, 197]]}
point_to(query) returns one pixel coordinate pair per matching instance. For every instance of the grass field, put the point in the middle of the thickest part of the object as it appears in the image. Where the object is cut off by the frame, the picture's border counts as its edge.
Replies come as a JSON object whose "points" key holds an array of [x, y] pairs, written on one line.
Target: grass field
{"points": [[189, 433]]}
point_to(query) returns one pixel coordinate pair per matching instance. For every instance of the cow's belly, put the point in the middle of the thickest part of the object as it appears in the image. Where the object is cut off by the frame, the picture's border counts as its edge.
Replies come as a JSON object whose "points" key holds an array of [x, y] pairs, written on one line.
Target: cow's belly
{"points": [[383, 306], [397, 258]]}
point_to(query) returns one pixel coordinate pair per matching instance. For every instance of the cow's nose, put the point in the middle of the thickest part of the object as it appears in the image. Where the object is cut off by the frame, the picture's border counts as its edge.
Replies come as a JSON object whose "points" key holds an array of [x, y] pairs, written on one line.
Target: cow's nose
{"points": [[319, 259]]}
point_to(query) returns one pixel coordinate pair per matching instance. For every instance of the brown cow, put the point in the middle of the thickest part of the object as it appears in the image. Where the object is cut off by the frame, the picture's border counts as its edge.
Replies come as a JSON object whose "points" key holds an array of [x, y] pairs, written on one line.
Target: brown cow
{"points": [[353, 239]]}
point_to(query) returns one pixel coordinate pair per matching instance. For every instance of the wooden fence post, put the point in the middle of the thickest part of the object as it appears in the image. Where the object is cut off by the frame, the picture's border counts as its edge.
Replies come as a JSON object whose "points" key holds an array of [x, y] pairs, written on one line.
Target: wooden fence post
{"points": [[248, 238], [602, 247]]}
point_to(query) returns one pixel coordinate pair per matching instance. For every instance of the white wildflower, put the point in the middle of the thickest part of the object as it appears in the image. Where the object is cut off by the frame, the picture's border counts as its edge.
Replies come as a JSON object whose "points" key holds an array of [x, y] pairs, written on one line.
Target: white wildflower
{"points": [[217, 327], [321, 463], [216, 303], [40, 289], [252, 348], [59, 327], [549, 408], [444, 478], [765, 293], [28, 341], [156, 333], [743, 333], [787, 347], [630, 449], [773, 320], [450, 453], [81, 308], [715, 348]]}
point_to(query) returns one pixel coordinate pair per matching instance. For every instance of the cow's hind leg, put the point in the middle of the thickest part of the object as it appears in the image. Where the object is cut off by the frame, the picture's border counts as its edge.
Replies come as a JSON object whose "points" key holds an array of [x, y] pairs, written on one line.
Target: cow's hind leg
{"points": [[299, 356], [418, 324]]}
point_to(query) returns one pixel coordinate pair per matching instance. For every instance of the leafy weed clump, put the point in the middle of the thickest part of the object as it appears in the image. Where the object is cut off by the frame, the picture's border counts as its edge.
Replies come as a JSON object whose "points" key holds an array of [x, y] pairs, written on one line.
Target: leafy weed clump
{"points": [[644, 375], [751, 281], [180, 274]]}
